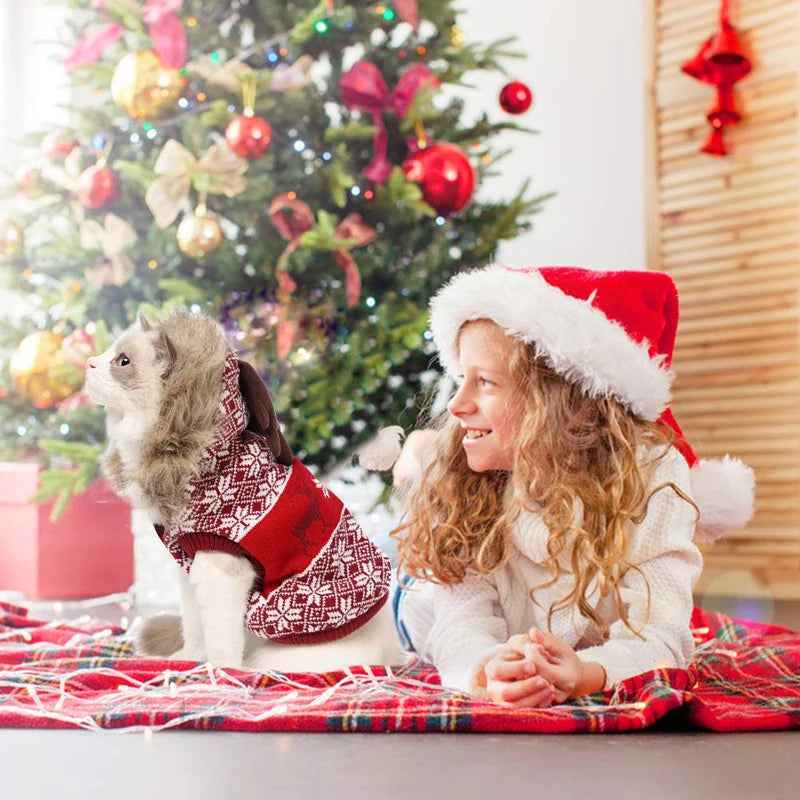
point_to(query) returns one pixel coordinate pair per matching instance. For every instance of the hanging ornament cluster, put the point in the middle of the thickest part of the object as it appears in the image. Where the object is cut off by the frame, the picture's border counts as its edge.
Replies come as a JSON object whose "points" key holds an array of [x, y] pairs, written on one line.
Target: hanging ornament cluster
{"points": [[38, 371], [720, 62], [442, 170], [363, 88], [218, 171], [515, 97], [144, 86]]}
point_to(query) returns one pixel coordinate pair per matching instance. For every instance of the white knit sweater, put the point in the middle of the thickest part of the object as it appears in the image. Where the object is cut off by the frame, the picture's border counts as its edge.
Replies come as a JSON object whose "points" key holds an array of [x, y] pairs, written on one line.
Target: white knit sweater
{"points": [[459, 628]]}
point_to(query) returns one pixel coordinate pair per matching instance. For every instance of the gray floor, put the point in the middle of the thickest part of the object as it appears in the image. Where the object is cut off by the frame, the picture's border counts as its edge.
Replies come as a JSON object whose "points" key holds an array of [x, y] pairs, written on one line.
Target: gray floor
{"points": [[647, 765]]}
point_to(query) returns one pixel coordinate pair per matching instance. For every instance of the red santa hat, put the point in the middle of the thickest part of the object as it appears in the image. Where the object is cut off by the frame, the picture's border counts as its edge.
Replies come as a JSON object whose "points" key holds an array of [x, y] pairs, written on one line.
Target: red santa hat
{"points": [[613, 334]]}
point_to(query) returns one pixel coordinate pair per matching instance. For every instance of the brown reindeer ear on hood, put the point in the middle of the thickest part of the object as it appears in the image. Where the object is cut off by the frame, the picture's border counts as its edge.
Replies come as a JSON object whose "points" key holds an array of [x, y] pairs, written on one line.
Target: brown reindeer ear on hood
{"points": [[263, 419]]}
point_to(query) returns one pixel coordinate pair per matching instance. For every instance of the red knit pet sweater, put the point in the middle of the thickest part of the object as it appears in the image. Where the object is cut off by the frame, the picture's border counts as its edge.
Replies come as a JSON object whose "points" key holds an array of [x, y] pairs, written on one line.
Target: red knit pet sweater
{"points": [[320, 577]]}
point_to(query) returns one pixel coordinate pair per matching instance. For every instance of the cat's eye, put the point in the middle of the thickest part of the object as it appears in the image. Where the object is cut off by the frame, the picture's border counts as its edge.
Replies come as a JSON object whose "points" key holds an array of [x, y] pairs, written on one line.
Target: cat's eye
{"points": [[122, 360]]}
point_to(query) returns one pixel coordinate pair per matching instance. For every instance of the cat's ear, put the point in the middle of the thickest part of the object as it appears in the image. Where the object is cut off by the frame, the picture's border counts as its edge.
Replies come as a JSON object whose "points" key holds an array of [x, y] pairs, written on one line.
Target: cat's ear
{"points": [[144, 323], [167, 354], [263, 419]]}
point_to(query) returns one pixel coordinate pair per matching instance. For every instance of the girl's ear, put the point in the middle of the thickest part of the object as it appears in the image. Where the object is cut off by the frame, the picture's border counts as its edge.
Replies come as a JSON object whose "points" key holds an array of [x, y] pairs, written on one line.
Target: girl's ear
{"points": [[144, 323], [263, 419]]}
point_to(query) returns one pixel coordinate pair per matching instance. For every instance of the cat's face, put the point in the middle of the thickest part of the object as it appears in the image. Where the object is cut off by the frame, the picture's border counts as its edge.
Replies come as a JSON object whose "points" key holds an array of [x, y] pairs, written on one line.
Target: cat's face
{"points": [[128, 376]]}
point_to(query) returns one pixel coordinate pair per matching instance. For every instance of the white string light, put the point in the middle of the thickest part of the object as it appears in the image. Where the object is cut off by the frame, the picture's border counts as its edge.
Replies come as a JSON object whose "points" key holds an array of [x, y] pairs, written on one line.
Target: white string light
{"points": [[54, 701], [222, 694]]}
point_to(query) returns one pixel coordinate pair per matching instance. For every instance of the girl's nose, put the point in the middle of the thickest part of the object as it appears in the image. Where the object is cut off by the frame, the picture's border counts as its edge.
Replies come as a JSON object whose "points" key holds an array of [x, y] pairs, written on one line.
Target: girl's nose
{"points": [[460, 404]]}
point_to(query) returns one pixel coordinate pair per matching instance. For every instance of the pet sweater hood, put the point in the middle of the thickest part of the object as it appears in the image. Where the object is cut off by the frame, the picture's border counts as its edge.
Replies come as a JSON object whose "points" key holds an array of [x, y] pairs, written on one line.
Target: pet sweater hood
{"points": [[320, 577]]}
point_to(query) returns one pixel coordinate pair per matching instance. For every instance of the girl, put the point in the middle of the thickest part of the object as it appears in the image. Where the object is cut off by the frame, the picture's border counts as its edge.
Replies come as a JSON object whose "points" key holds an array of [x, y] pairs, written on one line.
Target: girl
{"points": [[549, 539]]}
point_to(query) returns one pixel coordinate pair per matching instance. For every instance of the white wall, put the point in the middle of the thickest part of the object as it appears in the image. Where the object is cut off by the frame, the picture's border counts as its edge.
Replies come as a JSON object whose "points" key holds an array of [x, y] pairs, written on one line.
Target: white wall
{"points": [[32, 86], [585, 67]]}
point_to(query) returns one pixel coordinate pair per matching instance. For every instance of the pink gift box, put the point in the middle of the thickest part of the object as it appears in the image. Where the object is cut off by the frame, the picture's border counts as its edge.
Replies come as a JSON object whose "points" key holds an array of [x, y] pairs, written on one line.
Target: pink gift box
{"points": [[87, 553]]}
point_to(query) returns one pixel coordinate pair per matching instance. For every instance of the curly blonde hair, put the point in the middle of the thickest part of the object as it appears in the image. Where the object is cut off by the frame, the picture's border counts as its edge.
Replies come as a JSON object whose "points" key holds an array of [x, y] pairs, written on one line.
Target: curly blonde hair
{"points": [[572, 447]]}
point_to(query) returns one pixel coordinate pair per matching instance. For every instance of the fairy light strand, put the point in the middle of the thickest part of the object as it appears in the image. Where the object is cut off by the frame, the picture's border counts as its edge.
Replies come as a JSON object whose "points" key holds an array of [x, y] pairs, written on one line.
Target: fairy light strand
{"points": [[220, 692]]}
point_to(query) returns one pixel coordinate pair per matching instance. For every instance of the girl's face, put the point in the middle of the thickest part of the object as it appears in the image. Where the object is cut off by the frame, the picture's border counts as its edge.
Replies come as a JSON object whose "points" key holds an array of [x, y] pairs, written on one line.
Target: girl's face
{"points": [[487, 403]]}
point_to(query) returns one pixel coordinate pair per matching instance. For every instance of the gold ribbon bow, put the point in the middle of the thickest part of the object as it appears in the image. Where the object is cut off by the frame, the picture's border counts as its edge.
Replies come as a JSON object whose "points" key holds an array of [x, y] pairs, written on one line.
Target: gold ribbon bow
{"points": [[218, 171], [111, 238], [229, 74]]}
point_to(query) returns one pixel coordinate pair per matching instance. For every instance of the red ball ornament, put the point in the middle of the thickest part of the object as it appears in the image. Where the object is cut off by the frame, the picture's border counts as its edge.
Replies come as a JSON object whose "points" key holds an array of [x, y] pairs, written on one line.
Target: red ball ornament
{"points": [[28, 179], [98, 187], [444, 174], [515, 97], [248, 136], [58, 144]]}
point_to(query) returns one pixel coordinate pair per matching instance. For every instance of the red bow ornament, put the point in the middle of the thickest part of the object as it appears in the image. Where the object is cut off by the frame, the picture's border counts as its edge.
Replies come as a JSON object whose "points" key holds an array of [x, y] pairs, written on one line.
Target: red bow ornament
{"points": [[363, 88], [164, 25], [292, 218]]}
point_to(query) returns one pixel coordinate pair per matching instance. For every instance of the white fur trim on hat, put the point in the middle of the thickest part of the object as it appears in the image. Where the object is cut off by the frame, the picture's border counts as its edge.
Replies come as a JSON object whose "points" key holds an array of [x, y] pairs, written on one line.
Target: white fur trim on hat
{"points": [[723, 491], [576, 339]]}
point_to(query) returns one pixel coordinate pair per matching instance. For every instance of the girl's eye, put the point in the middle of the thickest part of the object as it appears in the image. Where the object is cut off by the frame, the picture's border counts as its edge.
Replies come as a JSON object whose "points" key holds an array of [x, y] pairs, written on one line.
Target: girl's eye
{"points": [[122, 360], [485, 382]]}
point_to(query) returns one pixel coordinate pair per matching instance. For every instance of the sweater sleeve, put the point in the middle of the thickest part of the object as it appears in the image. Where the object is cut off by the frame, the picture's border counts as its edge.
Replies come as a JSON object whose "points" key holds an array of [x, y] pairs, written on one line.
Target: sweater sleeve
{"points": [[465, 633], [667, 561]]}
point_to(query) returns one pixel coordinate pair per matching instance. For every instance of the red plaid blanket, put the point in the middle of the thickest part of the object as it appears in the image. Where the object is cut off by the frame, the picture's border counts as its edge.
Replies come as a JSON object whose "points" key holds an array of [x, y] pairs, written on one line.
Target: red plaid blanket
{"points": [[84, 674]]}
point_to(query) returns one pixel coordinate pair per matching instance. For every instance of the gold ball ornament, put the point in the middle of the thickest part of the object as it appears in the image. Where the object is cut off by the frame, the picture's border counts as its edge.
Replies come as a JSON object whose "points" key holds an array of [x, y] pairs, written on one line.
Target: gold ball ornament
{"points": [[143, 86], [12, 239], [199, 234], [33, 370]]}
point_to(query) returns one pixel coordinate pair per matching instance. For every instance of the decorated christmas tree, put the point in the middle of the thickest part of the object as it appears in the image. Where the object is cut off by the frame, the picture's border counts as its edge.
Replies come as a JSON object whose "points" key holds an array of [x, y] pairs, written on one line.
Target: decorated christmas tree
{"points": [[301, 171]]}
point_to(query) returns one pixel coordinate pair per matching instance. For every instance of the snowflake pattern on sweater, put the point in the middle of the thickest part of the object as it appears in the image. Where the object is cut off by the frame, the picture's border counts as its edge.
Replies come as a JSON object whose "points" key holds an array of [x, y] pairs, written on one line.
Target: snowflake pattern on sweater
{"points": [[320, 577]]}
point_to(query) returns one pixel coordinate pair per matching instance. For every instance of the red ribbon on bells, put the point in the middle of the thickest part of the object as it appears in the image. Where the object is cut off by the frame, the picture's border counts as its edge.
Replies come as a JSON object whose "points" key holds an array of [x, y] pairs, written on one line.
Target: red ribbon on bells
{"points": [[721, 62], [292, 218], [363, 88]]}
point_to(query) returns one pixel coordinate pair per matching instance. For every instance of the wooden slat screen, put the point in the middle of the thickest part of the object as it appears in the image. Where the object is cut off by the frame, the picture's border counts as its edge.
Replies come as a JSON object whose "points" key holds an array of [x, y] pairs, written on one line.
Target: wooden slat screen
{"points": [[728, 231]]}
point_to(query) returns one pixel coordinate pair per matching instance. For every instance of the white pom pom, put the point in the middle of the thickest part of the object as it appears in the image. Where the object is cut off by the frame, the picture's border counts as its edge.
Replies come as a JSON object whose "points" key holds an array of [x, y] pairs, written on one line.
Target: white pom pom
{"points": [[381, 452], [723, 490]]}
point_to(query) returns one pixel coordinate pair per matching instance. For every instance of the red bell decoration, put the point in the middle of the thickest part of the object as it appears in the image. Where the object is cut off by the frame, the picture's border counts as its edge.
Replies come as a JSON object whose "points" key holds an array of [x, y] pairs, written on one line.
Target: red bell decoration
{"points": [[725, 53], [721, 62], [444, 175], [723, 112], [699, 67], [98, 187], [515, 97], [715, 144], [248, 136]]}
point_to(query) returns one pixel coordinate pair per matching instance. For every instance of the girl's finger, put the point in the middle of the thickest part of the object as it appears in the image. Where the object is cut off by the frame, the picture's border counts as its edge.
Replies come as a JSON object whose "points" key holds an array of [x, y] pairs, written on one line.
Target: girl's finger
{"points": [[544, 667], [515, 670], [543, 638], [517, 643], [544, 698], [516, 690]]}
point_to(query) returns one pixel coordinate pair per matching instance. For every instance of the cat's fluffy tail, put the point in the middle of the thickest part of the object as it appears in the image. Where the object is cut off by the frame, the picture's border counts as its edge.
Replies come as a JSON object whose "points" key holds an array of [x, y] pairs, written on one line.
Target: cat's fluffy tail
{"points": [[161, 635]]}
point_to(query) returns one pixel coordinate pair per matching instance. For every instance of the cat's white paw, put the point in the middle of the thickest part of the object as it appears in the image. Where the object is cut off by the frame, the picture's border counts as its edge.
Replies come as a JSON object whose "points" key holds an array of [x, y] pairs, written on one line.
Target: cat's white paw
{"points": [[225, 660], [188, 654]]}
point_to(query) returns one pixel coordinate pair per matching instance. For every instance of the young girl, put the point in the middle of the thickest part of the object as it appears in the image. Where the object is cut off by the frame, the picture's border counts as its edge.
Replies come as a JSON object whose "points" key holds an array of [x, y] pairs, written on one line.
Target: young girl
{"points": [[549, 538]]}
